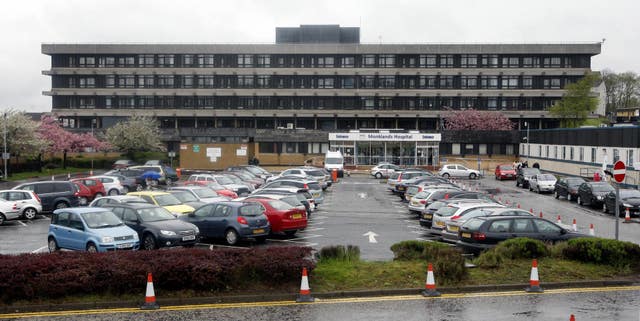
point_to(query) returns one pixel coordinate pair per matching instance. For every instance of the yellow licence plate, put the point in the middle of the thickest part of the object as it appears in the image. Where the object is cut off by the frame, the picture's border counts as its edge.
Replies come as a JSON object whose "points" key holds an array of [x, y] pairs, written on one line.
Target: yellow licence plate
{"points": [[467, 235], [258, 231], [296, 216], [427, 216], [440, 223], [453, 228]]}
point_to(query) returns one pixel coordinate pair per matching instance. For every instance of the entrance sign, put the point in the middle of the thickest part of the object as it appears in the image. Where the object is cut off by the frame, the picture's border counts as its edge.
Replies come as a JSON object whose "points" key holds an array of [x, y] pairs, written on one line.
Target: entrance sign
{"points": [[619, 171]]}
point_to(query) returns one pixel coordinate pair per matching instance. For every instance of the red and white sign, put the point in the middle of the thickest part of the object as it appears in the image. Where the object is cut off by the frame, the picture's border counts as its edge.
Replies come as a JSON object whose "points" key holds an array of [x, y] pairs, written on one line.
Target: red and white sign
{"points": [[619, 170]]}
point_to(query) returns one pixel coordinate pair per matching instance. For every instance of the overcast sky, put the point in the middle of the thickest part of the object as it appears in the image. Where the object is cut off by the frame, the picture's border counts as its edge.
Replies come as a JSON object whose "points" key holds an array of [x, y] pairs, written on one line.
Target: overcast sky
{"points": [[26, 24]]}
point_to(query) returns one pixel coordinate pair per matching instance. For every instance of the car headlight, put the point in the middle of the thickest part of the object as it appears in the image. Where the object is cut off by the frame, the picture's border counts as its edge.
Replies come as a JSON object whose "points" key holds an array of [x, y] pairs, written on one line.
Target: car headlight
{"points": [[107, 239], [167, 233], [135, 237], [197, 230], [626, 205]]}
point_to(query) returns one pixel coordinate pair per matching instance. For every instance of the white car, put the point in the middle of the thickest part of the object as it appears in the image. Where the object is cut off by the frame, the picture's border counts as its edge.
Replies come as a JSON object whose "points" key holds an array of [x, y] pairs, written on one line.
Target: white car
{"points": [[28, 203], [8, 211], [112, 184], [542, 183], [383, 170], [292, 172], [442, 216], [457, 170]]}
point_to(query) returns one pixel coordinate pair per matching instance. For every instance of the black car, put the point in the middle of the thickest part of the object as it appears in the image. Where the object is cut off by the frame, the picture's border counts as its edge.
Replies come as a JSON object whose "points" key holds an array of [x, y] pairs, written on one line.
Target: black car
{"points": [[629, 199], [568, 187], [524, 174], [156, 226], [53, 194], [482, 233], [133, 177], [593, 193]]}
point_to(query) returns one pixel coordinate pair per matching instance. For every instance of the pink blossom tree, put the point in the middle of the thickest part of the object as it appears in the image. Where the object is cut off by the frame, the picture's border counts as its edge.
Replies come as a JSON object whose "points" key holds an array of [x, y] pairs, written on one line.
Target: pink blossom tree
{"points": [[472, 119], [59, 140]]}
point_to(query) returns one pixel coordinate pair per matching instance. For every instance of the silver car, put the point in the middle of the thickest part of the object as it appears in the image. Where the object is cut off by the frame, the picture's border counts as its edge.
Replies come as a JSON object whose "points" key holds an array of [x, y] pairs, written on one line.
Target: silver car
{"points": [[28, 203], [8, 211], [442, 216], [542, 183]]}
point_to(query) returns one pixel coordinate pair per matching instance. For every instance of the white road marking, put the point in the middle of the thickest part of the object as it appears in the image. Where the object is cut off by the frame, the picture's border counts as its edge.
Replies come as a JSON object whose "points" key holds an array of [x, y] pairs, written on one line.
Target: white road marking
{"points": [[423, 239], [372, 236], [305, 237], [22, 223], [39, 249], [314, 229], [362, 195]]}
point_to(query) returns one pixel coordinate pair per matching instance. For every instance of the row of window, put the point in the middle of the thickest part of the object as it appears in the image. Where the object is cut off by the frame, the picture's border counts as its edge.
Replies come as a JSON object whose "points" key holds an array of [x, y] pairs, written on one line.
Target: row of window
{"points": [[314, 82], [304, 102], [322, 61], [577, 153]]}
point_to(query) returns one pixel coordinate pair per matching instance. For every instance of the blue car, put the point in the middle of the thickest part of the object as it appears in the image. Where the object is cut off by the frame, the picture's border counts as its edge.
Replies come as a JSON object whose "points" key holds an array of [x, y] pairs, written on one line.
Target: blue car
{"points": [[91, 229], [231, 221]]}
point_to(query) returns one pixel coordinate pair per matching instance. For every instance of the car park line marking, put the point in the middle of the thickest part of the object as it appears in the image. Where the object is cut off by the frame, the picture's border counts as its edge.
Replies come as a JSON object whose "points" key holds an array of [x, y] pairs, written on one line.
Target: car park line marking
{"points": [[314, 229], [211, 246], [416, 297], [22, 223], [304, 237], [39, 249], [296, 242]]}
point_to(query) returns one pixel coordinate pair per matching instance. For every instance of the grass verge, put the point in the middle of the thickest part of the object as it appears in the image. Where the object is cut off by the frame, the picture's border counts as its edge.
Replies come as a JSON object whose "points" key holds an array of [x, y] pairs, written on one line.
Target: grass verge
{"points": [[46, 173]]}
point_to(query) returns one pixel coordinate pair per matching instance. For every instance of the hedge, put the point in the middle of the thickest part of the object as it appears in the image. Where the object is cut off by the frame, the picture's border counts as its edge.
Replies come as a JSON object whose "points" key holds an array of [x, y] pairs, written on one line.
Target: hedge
{"points": [[448, 262], [41, 276], [516, 248], [603, 251]]}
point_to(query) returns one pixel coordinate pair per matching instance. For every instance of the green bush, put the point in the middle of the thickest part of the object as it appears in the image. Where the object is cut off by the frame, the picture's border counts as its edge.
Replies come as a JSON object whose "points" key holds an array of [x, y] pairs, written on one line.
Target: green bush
{"points": [[350, 253], [448, 262], [517, 248], [490, 259], [603, 251], [416, 250]]}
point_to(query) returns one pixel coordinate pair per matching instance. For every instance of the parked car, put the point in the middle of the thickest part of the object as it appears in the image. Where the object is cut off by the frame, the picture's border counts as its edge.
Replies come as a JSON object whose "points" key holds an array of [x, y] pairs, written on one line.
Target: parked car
{"points": [[112, 184], [542, 183], [122, 163], [220, 180], [457, 170], [290, 173], [95, 186], [133, 177], [186, 198], [28, 202], [593, 193], [450, 232], [255, 170], [238, 181], [524, 174], [84, 194], [505, 171], [482, 233], [166, 200], [568, 187], [426, 218], [629, 199], [156, 227], [91, 229], [442, 216], [399, 177], [219, 189], [202, 194], [303, 196], [317, 175], [167, 174], [232, 221], [384, 170], [53, 194], [255, 181], [312, 186], [284, 218], [101, 201], [8, 211]]}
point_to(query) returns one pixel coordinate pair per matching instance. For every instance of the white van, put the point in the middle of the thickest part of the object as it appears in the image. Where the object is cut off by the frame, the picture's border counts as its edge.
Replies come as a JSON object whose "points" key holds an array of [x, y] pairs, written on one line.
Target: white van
{"points": [[334, 160]]}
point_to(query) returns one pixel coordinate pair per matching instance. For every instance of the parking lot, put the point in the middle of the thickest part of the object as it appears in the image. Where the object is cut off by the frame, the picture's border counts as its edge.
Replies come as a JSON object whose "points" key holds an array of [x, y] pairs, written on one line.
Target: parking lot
{"points": [[361, 211]]}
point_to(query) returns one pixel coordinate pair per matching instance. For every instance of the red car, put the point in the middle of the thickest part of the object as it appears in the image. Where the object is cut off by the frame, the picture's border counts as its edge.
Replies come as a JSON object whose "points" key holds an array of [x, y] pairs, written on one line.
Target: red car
{"points": [[84, 194], [505, 171], [94, 184], [215, 187], [283, 217]]}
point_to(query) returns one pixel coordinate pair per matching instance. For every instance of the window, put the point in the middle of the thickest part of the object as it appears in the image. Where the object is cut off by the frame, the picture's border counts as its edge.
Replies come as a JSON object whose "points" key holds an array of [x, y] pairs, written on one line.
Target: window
{"points": [[325, 82], [581, 154], [264, 61], [469, 82], [446, 61], [616, 155], [564, 152], [499, 226], [551, 62], [571, 153], [368, 60], [593, 155], [146, 81], [446, 82], [88, 82], [469, 61], [428, 82], [527, 82], [367, 82], [487, 82], [165, 81], [492, 103], [630, 157], [522, 225], [531, 62], [468, 102], [245, 81], [546, 151], [386, 61], [86, 102], [126, 61], [386, 82], [555, 152], [267, 147], [166, 60], [551, 83], [409, 62], [546, 227], [107, 62], [368, 102], [245, 61], [75, 222], [509, 82], [428, 61], [455, 149], [205, 61], [187, 81], [490, 61], [348, 82], [510, 62], [127, 102], [146, 61], [567, 62], [206, 81], [127, 81], [347, 62], [188, 60], [86, 61], [263, 81], [539, 151], [326, 62]]}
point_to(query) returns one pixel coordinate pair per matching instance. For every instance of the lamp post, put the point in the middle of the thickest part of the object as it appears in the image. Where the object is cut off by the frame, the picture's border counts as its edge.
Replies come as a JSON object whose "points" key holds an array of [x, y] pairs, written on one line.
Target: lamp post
{"points": [[528, 146], [4, 154], [93, 123]]}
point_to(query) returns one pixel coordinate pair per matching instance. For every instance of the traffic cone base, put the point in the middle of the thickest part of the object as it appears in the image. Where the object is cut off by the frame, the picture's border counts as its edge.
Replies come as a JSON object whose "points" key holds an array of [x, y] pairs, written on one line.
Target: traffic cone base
{"points": [[150, 297], [627, 216], [305, 291]]}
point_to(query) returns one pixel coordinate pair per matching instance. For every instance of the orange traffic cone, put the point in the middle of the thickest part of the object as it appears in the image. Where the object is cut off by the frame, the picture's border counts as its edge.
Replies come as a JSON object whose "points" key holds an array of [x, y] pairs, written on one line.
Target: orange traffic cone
{"points": [[534, 283], [574, 225], [91, 172], [305, 291], [518, 205], [592, 231], [541, 216], [531, 211], [559, 221], [68, 176], [430, 286], [572, 318], [150, 297], [627, 216]]}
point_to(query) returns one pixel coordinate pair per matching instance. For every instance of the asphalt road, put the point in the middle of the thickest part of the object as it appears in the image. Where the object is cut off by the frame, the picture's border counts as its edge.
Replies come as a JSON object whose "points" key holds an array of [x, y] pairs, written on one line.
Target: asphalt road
{"points": [[359, 205], [614, 304]]}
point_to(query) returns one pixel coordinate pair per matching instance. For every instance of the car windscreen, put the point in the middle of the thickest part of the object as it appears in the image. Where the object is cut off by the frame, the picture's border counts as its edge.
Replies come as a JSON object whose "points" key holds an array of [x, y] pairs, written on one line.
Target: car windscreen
{"points": [[315, 173], [602, 187], [154, 214], [506, 167], [530, 171], [574, 182], [223, 180], [435, 205], [101, 219], [167, 200], [251, 210], [235, 179], [205, 193], [421, 195], [254, 170], [184, 196], [477, 212], [333, 160], [280, 205], [242, 175], [629, 193], [546, 177], [447, 210]]}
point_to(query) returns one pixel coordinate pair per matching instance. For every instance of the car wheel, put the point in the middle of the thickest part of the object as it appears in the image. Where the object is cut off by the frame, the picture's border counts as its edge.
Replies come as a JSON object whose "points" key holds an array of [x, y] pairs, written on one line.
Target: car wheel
{"points": [[605, 209], [98, 195], [53, 245], [231, 236], [569, 197], [579, 200], [29, 213], [290, 233], [538, 189], [113, 192], [446, 175], [556, 195], [149, 242], [125, 189], [378, 175], [83, 200], [2, 219], [517, 183], [91, 248], [530, 189], [60, 205], [473, 176]]}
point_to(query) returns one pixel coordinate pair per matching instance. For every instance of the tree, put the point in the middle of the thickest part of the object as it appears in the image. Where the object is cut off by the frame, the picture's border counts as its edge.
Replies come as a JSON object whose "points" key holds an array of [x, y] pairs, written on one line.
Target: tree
{"points": [[22, 136], [60, 140], [577, 103], [477, 120], [623, 90], [137, 134]]}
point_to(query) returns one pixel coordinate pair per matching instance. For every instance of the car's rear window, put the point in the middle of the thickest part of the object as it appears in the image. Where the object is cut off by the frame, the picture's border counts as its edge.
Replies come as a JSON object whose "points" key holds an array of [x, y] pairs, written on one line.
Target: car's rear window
{"points": [[205, 193], [280, 205], [602, 188], [167, 200], [447, 210], [292, 200], [315, 173], [314, 186], [473, 224], [546, 177], [184, 196], [251, 210], [394, 176]]}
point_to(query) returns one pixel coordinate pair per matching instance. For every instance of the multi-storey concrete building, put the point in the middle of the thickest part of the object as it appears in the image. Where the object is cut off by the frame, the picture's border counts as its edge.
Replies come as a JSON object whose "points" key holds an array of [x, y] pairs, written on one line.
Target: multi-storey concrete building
{"points": [[320, 78]]}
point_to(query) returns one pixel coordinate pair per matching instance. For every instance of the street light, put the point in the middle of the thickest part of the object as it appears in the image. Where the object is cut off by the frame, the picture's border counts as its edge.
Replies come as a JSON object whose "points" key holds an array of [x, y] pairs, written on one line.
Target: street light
{"points": [[5, 155], [528, 146], [93, 124]]}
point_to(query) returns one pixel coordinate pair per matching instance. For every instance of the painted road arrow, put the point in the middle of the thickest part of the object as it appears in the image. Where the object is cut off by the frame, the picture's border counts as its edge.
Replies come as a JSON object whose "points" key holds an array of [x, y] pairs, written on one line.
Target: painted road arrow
{"points": [[372, 236]]}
